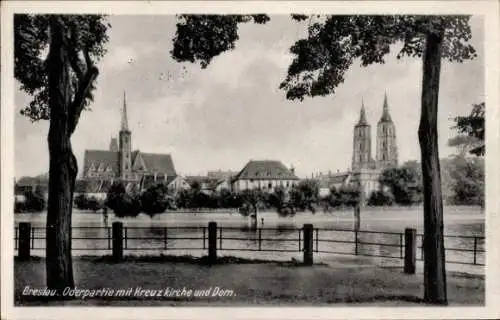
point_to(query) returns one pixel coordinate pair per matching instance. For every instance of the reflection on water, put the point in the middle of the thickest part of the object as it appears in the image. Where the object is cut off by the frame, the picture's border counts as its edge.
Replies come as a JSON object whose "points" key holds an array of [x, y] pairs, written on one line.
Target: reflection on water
{"points": [[155, 235]]}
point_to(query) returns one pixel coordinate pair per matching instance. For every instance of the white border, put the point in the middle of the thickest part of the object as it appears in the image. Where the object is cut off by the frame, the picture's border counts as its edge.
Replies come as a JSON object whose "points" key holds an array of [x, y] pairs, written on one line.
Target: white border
{"points": [[491, 13]]}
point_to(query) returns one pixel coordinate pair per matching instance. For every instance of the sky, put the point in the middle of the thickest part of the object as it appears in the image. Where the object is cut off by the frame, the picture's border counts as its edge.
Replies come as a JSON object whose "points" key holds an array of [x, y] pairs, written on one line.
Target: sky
{"points": [[232, 112]]}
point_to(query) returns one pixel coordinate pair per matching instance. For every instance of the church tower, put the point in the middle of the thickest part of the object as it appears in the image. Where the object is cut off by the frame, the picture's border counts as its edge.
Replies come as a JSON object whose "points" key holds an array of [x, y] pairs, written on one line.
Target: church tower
{"points": [[387, 149], [125, 146], [361, 152]]}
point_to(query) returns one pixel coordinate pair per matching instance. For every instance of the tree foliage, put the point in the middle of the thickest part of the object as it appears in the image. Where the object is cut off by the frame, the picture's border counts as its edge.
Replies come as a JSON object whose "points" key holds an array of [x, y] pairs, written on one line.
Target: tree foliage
{"points": [[200, 38], [380, 198], [85, 37], [83, 202], [305, 195], [34, 201], [404, 183], [467, 180], [253, 200], [472, 127], [122, 203], [332, 45], [156, 199], [335, 42]]}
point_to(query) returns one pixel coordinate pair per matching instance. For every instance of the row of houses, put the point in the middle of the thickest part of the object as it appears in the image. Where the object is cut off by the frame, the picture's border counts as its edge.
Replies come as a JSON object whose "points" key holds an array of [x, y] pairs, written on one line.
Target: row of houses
{"points": [[263, 174]]}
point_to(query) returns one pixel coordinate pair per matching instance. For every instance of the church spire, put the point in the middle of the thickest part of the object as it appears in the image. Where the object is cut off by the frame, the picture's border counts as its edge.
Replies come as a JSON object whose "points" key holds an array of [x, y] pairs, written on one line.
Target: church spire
{"points": [[362, 115], [385, 113], [124, 126]]}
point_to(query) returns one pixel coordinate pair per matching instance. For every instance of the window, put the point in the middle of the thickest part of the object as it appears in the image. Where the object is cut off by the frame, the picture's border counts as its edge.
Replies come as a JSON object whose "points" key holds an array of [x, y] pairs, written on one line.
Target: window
{"points": [[270, 185]]}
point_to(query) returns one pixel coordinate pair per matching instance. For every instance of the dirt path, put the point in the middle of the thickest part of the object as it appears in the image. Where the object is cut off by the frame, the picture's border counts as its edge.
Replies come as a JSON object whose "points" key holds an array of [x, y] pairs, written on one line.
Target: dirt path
{"points": [[242, 284]]}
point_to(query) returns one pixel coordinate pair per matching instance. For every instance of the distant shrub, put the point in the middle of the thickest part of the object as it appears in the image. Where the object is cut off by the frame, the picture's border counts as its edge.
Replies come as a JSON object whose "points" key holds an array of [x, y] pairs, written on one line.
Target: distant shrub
{"points": [[83, 202], [347, 196], [381, 198], [34, 202], [122, 203], [156, 200]]}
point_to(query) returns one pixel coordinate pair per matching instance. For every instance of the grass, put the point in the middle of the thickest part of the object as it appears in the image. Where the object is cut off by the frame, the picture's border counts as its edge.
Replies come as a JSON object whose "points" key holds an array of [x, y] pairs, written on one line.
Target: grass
{"points": [[253, 282]]}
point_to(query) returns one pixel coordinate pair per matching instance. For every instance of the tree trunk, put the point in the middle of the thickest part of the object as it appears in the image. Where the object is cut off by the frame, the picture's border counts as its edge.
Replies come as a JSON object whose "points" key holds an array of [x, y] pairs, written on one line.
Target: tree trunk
{"points": [[63, 167], [433, 245]]}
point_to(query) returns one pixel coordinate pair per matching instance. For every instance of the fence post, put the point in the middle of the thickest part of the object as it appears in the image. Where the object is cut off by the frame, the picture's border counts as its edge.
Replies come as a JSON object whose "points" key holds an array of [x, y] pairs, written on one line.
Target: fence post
{"points": [[357, 217], [356, 242], [308, 244], [117, 240], [475, 249], [24, 241], [260, 239], [410, 250], [212, 242], [165, 238]]}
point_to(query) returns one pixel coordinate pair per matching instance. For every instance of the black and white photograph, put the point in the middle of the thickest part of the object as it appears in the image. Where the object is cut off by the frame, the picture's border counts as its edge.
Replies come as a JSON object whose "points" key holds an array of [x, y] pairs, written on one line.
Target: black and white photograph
{"points": [[227, 156]]}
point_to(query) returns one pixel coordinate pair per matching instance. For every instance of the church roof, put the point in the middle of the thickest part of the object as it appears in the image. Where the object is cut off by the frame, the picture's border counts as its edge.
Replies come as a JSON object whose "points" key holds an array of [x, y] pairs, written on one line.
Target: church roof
{"points": [[340, 178], [154, 162], [124, 124], [265, 170], [386, 117], [362, 116], [98, 157], [113, 145]]}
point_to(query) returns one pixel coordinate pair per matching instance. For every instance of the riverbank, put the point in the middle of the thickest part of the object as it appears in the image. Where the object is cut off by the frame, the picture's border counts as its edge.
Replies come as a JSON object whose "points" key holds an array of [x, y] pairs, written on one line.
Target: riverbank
{"points": [[240, 282]]}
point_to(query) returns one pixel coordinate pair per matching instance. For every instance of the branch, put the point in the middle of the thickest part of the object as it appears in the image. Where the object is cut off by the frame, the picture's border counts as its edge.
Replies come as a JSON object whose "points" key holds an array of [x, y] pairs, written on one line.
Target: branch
{"points": [[73, 59], [89, 62], [73, 56], [84, 88]]}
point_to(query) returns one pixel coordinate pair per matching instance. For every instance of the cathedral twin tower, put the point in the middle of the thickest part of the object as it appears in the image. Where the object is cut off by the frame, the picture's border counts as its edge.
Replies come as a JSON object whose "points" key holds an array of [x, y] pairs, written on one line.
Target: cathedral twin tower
{"points": [[387, 150]]}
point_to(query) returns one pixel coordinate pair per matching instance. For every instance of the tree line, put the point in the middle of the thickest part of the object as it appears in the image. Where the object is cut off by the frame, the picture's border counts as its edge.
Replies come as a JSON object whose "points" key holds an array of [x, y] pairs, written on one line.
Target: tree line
{"points": [[158, 198], [463, 184]]}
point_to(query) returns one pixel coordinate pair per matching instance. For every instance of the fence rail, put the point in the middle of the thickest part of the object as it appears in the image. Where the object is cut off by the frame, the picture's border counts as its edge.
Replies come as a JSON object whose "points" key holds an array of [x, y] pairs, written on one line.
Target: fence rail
{"points": [[309, 240]]}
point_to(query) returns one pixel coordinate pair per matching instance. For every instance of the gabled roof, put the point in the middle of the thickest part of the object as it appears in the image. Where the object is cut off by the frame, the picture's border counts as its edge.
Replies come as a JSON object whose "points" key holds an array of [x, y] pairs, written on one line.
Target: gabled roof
{"points": [[338, 178], [265, 170], [221, 174], [31, 181], [98, 157], [159, 163]]}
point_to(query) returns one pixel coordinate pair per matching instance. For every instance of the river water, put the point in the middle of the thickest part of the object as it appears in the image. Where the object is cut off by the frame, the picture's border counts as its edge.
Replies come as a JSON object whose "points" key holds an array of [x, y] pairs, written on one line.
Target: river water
{"points": [[461, 225]]}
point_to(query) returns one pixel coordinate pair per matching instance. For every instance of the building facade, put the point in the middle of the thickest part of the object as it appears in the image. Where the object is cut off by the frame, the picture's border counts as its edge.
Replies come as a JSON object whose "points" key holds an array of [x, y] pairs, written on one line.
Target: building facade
{"points": [[265, 175], [120, 163], [365, 171], [387, 149]]}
